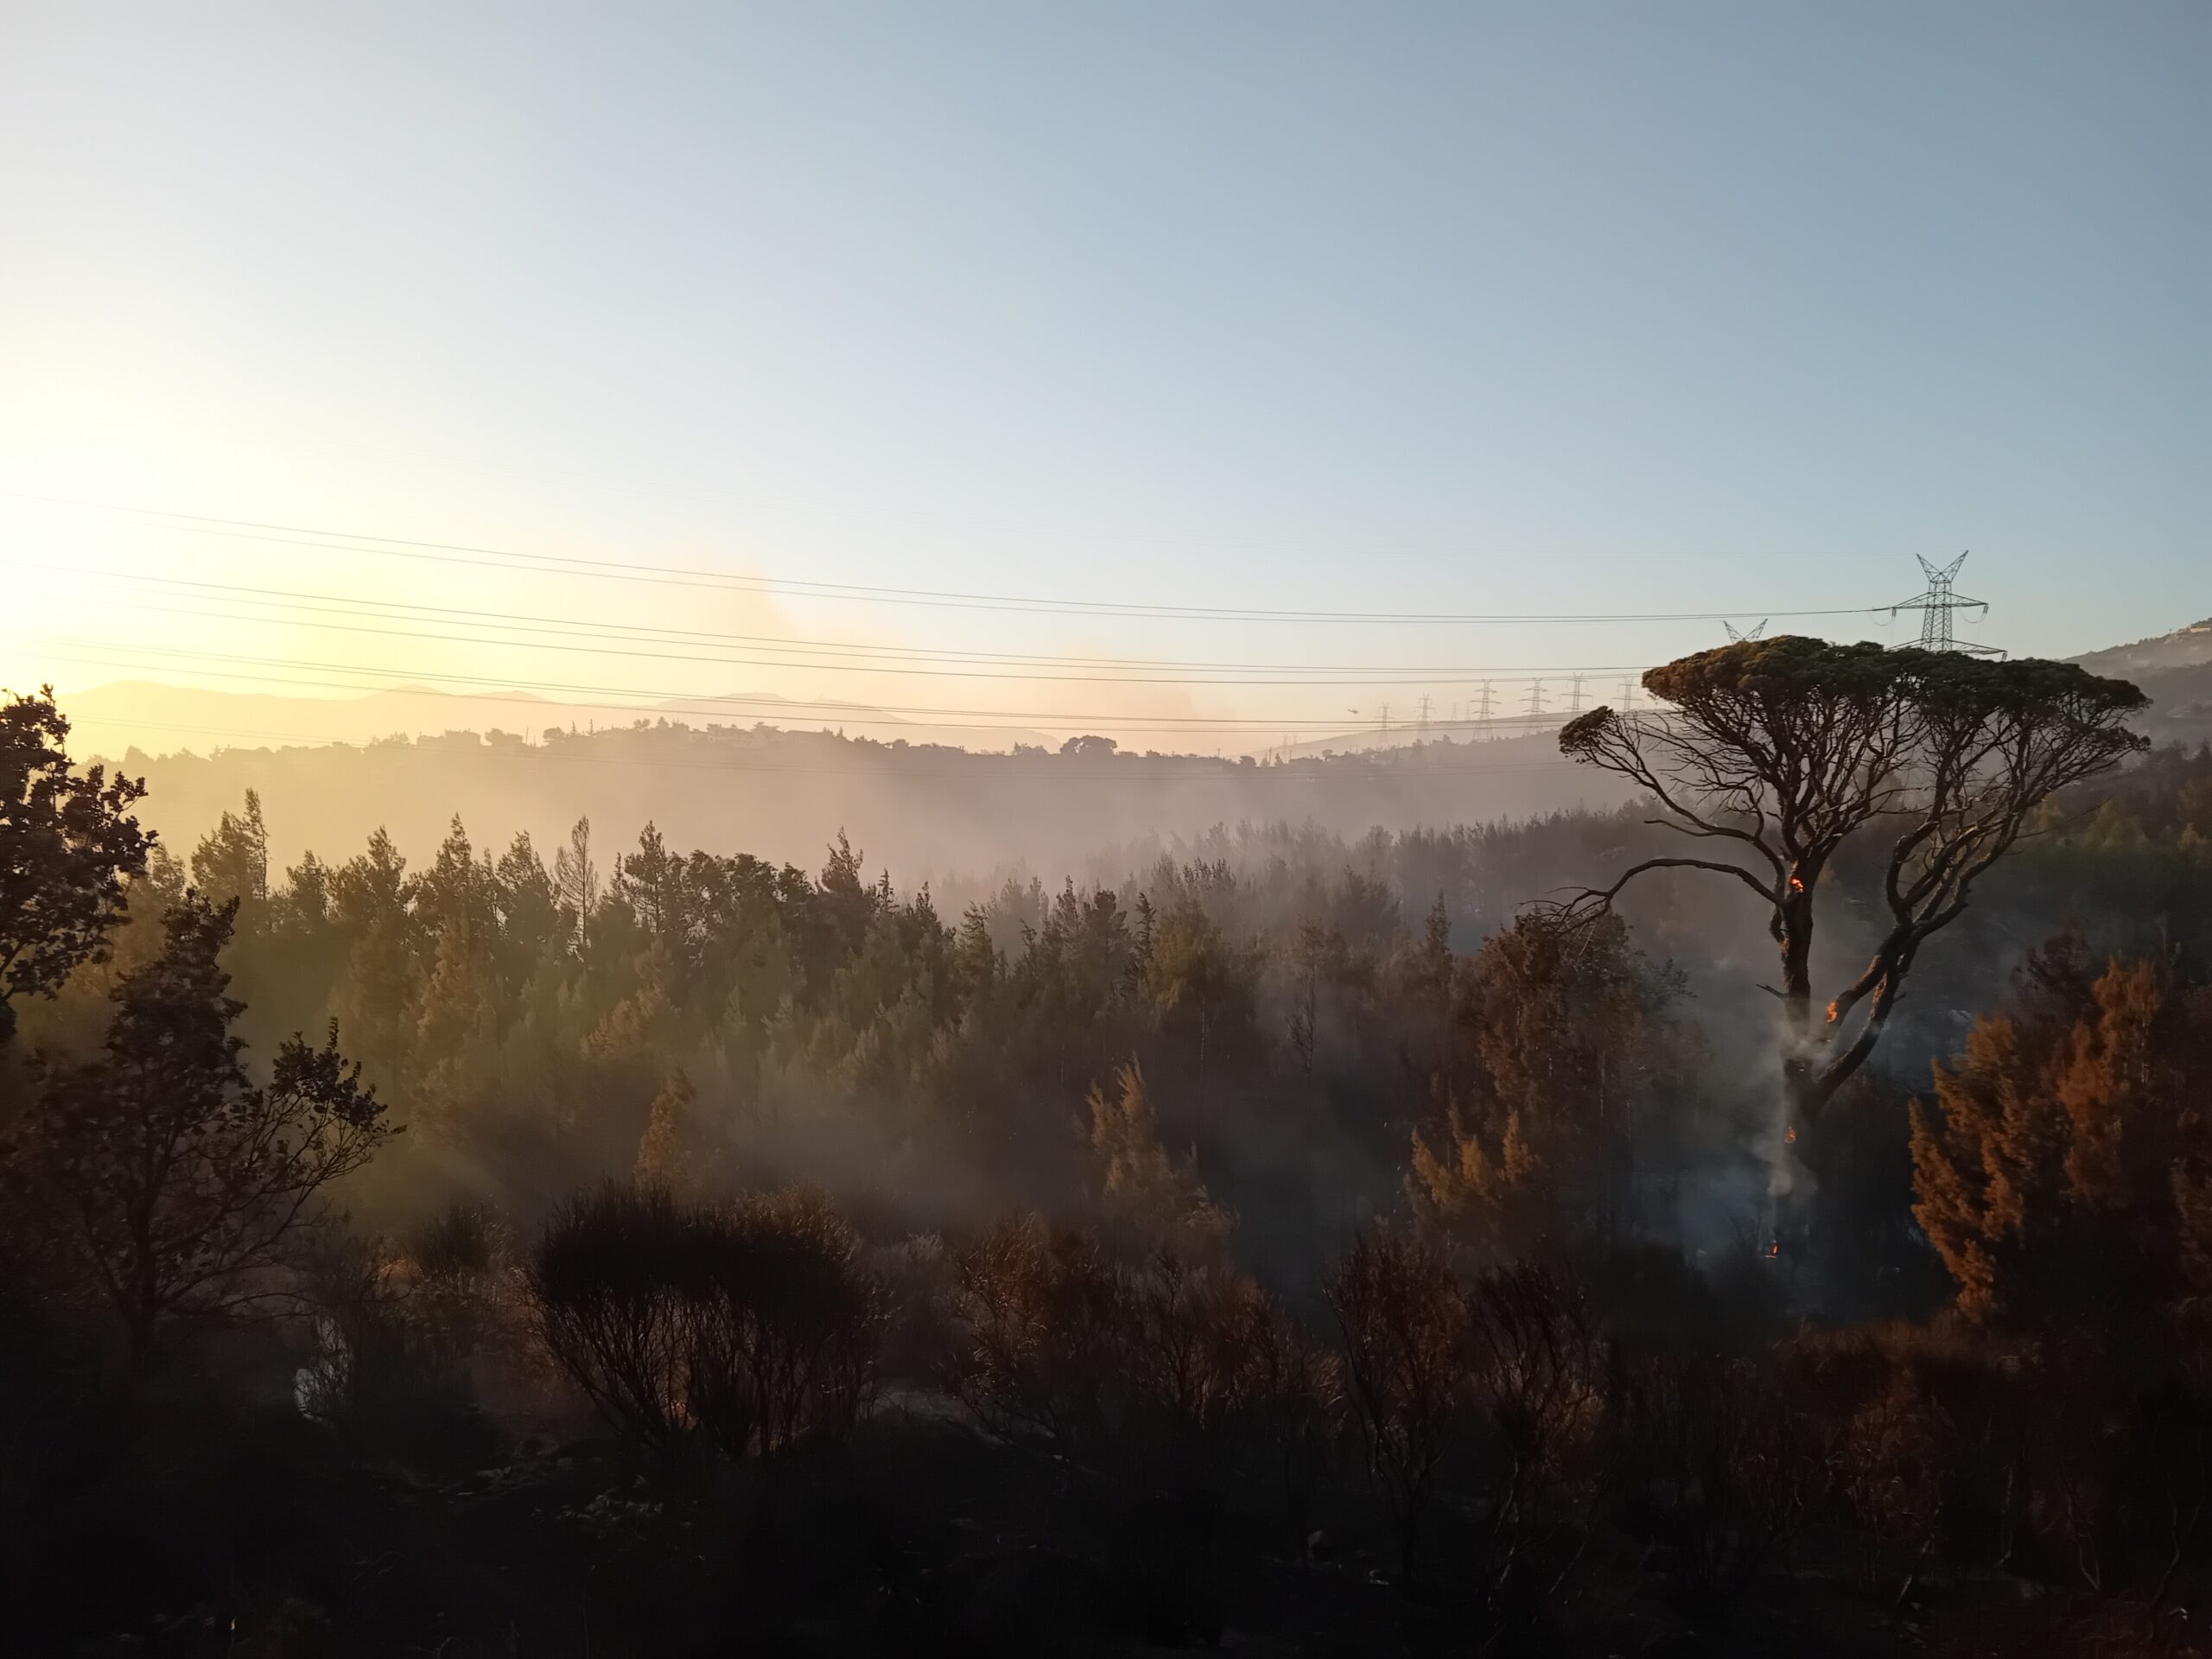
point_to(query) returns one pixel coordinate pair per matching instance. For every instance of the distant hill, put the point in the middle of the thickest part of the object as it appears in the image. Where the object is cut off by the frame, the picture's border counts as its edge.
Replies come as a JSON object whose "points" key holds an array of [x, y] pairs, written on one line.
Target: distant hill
{"points": [[2174, 670], [923, 810], [2188, 647], [164, 719], [924, 799]]}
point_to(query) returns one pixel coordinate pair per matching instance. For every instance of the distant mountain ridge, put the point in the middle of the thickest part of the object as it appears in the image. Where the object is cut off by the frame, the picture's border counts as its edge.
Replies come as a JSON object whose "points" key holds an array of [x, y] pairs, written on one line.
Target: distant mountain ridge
{"points": [[2175, 671], [168, 719], [757, 772], [2183, 648]]}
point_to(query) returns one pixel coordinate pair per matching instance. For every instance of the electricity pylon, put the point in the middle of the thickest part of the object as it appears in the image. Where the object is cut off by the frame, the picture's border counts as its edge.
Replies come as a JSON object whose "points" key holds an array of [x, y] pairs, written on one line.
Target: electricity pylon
{"points": [[1936, 606]]}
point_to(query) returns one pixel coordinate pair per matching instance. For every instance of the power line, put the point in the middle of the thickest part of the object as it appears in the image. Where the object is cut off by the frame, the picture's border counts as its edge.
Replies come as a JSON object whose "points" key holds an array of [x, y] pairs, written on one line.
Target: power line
{"points": [[933, 670], [658, 700], [572, 564], [343, 604]]}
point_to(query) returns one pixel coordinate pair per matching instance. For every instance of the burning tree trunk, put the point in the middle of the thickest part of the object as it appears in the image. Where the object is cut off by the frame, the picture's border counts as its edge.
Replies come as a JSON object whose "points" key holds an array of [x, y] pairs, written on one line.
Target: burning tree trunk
{"points": [[1784, 748]]}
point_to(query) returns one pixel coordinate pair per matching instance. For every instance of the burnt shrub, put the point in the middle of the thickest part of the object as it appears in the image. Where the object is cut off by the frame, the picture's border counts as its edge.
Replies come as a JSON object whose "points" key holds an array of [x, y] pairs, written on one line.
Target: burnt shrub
{"points": [[1177, 1389], [745, 1328], [1199, 1345], [1403, 1321], [1926, 1447], [1709, 1459], [785, 1326], [459, 1243], [1039, 1313], [610, 1283], [1535, 1370], [384, 1368], [414, 1345], [1216, 1398]]}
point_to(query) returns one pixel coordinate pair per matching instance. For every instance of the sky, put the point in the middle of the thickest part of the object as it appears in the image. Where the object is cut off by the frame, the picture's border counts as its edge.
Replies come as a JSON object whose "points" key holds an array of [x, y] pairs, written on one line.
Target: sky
{"points": [[1625, 311]]}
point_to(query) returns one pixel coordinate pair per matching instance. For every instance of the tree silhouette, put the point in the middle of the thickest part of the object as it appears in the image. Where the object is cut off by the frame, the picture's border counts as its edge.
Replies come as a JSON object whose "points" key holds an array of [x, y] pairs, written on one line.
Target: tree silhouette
{"points": [[373, 895], [576, 879], [68, 848], [176, 1183], [232, 861], [1403, 1321], [1786, 748]]}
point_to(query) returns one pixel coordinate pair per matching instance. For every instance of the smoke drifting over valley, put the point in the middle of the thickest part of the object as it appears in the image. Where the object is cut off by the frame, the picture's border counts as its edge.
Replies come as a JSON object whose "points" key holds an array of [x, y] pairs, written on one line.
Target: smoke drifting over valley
{"points": [[1059, 832], [926, 811]]}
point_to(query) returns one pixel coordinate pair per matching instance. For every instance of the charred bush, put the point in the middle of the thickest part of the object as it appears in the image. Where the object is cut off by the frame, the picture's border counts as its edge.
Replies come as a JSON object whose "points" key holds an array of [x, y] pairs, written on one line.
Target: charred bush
{"points": [[1708, 1457], [1535, 1370], [388, 1367], [785, 1325], [1403, 1321], [614, 1282], [752, 1326], [1199, 1341], [1038, 1311]]}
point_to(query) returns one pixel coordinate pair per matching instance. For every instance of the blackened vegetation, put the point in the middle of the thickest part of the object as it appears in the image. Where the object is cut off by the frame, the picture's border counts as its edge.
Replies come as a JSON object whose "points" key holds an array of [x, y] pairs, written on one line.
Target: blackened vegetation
{"points": [[676, 1254], [740, 1331]]}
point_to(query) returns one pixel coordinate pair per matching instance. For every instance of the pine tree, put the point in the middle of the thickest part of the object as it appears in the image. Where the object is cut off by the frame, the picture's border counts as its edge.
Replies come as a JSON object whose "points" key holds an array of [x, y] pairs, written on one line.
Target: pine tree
{"points": [[1163, 1200], [232, 863], [69, 851], [179, 1185], [669, 1153], [377, 1000], [653, 881], [528, 909], [2062, 1171], [575, 878], [977, 961]]}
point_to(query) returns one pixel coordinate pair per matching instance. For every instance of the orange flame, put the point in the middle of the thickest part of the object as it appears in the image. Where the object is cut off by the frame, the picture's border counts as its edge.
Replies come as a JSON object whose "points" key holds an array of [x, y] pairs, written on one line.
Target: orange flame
{"points": [[1797, 883], [1789, 1137], [1775, 1248]]}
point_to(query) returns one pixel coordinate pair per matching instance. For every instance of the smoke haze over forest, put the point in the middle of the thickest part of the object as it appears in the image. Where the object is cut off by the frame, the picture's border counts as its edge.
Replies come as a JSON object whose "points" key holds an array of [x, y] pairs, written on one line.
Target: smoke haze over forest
{"points": [[1008, 832]]}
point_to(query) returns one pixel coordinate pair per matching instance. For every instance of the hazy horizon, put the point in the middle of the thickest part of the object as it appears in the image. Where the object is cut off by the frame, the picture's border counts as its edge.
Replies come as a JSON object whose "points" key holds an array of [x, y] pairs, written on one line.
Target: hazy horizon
{"points": [[1036, 372], [991, 829]]}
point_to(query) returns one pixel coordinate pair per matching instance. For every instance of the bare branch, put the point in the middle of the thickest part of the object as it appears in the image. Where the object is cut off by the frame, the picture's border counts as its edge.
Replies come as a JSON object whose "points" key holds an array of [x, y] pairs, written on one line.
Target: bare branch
{"points": [[1592, 903]]}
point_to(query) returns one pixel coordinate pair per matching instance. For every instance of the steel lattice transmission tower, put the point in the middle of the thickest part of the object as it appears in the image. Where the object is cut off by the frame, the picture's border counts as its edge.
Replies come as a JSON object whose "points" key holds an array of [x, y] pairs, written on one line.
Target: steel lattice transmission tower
{"points": [[1735, 638], [1936, 606]]}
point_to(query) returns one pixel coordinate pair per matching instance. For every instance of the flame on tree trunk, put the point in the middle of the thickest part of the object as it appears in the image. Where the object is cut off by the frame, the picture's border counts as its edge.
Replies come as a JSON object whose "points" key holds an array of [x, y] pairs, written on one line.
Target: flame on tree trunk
{"points": [[1783, 749]]}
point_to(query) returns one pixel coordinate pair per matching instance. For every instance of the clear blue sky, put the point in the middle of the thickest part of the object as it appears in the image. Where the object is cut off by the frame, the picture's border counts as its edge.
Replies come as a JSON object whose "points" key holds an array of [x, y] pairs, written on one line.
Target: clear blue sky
{"points": [[1487, 307]]}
